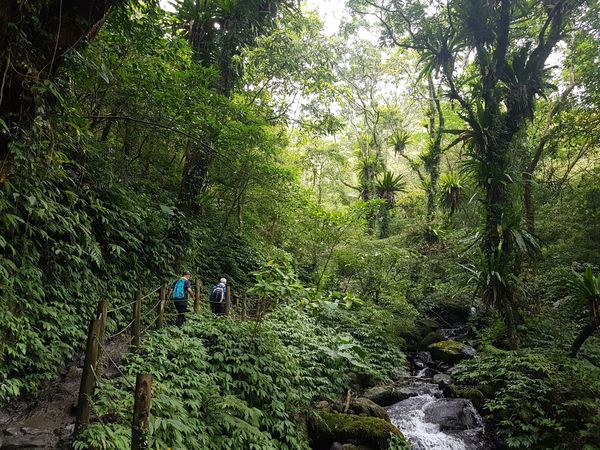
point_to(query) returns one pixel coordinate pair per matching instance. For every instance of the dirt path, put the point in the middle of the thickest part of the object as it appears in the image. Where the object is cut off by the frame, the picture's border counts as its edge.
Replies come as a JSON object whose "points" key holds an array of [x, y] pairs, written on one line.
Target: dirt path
{"points": [[46, 420]]}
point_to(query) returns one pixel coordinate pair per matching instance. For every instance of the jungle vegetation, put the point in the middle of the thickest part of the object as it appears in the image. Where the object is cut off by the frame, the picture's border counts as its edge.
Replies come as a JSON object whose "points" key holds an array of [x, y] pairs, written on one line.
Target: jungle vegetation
{"points": [[422, 156]]}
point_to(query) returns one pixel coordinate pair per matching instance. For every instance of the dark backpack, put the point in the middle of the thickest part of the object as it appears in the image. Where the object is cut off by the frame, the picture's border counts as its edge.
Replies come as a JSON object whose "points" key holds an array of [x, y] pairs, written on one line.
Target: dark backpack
{"points": [[217, 294], [179, 289]]}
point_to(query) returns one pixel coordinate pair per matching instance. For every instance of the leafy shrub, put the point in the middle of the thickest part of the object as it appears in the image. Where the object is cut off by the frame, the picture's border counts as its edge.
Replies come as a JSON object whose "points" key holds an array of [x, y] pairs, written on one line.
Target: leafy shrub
{"points": [[538, 400], [223, 384]]}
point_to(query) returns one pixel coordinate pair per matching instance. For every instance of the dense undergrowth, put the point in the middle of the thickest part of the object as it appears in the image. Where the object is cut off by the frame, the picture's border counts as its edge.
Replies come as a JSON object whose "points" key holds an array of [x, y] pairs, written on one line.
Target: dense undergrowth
{"points": [[220, 383], [147, 154]]}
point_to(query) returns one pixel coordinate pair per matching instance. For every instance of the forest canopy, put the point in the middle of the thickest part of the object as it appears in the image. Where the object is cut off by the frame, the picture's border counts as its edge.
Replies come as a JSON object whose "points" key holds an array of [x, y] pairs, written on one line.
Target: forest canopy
{"points": [[354, 169]]}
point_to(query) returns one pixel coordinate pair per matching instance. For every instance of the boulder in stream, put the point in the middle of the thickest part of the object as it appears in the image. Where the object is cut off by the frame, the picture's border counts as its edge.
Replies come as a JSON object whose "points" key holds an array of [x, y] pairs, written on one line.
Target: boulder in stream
{"points": [[384, 395], [328, 428], [450, 352], [365, 407], [452, 414]]}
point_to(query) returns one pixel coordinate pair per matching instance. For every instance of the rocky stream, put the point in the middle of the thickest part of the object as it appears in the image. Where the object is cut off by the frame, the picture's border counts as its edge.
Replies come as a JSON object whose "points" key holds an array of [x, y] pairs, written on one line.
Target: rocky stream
{"points": [[425, 406]]}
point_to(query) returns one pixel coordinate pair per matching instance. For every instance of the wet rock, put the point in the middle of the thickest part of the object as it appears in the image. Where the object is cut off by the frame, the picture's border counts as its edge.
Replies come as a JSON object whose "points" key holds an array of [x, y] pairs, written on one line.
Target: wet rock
{"points": [[427, 372], [431, 338], [442, 380], [28, 438], [351, 429], [452, 414], [384, 395], [356, 447], [365, 407], [336, 446], [425, 357], [468, 351], [449, 352]]}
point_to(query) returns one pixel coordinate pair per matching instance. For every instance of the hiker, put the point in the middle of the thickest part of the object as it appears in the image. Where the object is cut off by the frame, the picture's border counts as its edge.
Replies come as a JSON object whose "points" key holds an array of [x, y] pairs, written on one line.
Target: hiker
{"points": [[218, 296], [179, 291]]}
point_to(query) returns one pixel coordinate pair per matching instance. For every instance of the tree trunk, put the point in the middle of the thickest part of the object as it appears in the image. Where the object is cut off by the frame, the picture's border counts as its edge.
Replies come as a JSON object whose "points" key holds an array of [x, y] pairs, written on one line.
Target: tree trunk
{"points": [[33, 51], [583, 335], [194, 180]]}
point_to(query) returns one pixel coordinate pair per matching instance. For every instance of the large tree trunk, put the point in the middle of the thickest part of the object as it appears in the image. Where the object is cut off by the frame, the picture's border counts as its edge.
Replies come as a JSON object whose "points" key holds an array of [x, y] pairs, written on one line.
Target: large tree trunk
{"points": [[34, 36]]}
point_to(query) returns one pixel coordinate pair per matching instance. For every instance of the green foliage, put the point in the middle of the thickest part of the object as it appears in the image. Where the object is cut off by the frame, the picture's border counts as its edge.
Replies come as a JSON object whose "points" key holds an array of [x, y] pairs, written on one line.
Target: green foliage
{"points": [[451, 186], [585, 287], [538, 400], [219, 383]]}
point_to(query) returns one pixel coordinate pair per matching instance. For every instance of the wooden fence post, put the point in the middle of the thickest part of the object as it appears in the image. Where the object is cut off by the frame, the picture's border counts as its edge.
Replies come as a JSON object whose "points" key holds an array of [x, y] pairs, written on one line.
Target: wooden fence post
{"points": [[141, 411], [197, 296], [228, 300], [161, 305], [137, 313], [88, 377], [102, 314]]}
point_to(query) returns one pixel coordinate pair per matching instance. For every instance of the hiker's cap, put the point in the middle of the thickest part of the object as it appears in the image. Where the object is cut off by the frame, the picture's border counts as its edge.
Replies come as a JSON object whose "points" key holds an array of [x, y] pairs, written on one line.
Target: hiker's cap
{"points": [[187, 272], [223, 280]]}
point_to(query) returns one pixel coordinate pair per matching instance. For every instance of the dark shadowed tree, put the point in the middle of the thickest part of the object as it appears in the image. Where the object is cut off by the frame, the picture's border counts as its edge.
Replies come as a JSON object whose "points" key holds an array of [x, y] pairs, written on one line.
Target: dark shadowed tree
{"points": [[34, 37]]}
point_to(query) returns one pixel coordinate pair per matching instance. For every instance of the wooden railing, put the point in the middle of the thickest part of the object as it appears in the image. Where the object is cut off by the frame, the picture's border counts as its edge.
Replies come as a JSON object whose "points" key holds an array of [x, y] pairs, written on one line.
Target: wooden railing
{"points": [[95, 348]]}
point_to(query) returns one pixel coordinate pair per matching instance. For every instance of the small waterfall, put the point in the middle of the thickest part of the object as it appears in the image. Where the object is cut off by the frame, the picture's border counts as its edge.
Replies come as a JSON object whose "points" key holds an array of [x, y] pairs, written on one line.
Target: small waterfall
{"points": [[409, 416], [427, 419]]}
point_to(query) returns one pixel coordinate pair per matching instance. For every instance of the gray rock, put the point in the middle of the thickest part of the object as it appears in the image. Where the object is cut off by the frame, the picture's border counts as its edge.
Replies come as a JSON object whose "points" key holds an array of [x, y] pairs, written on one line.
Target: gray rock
{"points": [[384, 395], [468, 351], [323, 404], [366, 407], [425, 357], [41, 440], [442, 380], [452, 414]]}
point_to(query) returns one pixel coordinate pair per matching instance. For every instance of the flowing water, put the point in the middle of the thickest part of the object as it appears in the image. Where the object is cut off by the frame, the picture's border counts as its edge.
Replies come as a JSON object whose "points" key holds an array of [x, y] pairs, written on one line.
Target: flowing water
{"points": [[412, 418], [431, 422]]}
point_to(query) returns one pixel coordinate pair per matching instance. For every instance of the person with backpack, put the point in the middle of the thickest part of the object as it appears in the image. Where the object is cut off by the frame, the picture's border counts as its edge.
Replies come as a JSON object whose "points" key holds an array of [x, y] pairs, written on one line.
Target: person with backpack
{"points": [[218, 296], [179, 292]]}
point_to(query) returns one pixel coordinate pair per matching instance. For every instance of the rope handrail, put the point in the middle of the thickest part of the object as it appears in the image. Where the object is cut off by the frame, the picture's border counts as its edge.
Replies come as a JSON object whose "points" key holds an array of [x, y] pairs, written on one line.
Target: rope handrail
{"points": [[116, 366], [151, 310], [152, 292], [120, 332], [148, 327], [116, 308]]}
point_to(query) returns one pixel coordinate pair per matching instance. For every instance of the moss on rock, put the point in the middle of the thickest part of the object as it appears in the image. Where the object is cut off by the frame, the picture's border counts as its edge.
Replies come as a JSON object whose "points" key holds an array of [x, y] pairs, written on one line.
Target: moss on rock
{"points": [[447, 351], [431, 338], [372, 431]]}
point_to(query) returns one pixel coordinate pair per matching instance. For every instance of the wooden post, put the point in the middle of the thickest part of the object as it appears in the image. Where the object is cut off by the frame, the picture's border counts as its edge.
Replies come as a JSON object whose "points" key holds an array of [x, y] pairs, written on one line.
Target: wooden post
{"points": [[228, 300], [244, 309], [137, 313], [141, 411], [197, 296], [102, 314], [161, 305], [88, 377]]}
